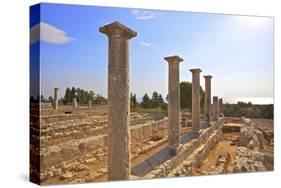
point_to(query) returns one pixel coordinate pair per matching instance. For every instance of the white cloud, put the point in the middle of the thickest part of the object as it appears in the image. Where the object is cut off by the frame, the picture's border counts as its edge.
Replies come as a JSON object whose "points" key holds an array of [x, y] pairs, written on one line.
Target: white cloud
{"points": [[48, 33], [144, 14], [145, 44]]}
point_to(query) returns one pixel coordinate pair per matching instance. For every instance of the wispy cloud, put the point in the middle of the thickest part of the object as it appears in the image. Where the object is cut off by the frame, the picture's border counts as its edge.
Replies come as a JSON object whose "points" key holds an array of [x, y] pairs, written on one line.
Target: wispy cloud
{"points": [[145, 44], [145, 14], [48, 33]]}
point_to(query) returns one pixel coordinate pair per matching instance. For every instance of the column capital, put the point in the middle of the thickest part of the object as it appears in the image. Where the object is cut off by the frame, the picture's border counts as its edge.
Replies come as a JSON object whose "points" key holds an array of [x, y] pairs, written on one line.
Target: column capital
{"points": [[173, 59], [195, 70], [207, 76], [116, 28], [215, 97], [56, 88]]}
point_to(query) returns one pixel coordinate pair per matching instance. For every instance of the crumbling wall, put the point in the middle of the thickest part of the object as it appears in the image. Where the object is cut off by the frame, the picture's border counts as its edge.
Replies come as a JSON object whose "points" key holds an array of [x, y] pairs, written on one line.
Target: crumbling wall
{"points": [[250, 155], [69, 141], [195, 149]]}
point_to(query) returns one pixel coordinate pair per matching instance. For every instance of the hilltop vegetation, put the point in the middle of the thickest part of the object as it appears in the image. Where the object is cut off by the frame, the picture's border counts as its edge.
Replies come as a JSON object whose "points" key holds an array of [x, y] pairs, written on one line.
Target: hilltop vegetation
{"points": [[249, 110]]}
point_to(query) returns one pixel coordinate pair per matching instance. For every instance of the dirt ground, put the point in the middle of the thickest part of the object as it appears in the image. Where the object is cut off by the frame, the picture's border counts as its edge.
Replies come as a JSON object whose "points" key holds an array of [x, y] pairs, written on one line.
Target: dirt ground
{"points": [[225, 145]]}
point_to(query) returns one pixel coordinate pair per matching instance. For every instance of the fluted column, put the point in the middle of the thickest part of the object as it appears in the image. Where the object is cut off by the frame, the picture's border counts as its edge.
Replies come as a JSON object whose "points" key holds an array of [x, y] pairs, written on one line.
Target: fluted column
{"points": [[174, 102], [119, 165], [215, 108], [56, 100], [195, 100], [208, 98]]}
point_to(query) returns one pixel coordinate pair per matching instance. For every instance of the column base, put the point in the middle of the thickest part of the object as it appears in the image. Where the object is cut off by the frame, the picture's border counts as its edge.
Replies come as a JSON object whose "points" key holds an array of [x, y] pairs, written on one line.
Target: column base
{"points": [[173, 151]]}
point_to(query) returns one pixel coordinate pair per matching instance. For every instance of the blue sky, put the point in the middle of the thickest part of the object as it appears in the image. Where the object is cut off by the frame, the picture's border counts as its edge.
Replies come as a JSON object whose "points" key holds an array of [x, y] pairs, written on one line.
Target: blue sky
{"points": [[236, 50]]}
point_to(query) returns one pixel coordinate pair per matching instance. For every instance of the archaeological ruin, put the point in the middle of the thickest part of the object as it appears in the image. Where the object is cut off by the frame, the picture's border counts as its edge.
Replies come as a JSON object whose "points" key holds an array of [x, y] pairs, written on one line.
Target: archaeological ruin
{"points": [[75, 143]]}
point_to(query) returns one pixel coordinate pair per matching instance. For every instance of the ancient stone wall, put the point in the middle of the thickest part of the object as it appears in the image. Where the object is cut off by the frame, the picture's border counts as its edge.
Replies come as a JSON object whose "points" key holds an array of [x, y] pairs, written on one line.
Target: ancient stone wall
{"points": [[195, 149], [78, 137]]}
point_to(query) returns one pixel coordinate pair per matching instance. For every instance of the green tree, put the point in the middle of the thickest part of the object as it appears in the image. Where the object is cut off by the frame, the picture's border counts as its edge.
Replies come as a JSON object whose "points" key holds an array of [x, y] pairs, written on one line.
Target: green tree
{"points": [[100, 100], [146, 103], [154, 100], [133, 100], [73, 93], [186, 95], [50, 99], [67, 96]]}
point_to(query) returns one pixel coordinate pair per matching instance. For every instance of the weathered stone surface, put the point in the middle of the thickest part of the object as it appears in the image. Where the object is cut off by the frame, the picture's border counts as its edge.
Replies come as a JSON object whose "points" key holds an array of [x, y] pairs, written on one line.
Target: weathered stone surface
{"points": [[251, 137], [195, 99], [231, 127], [248, 161], [174, 102], [190, 152], [74, 103], [198, 154], [119, 167], [56, 100], [215, 108], [66, 175], [221, 107], [208, 98]]}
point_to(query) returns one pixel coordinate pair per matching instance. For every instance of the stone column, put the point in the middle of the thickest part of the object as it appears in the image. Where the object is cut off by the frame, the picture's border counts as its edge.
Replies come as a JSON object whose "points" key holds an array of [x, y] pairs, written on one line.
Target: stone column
{"points": [[208, 98], [56, 100], [90, 103], [174, 103], [119, 165], [195, 100], [74, 103], [220, 107], [215, 108]]}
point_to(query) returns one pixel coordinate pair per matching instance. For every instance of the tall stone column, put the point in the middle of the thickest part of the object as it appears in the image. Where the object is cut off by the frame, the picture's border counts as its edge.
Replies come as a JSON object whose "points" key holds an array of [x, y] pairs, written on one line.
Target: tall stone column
{"points": [[174, 103], [90, 103], [74, 103], [195, 100], [215, 108], [208, 98], [220, 107], [56, 100], [119, 165]]}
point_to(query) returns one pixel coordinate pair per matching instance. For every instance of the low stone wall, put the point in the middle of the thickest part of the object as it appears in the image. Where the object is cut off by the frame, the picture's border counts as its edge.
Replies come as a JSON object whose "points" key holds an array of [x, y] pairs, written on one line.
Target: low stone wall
{"points": [[196, 148], [85, 148], [145, 131], [193, 160], [232, 120]]}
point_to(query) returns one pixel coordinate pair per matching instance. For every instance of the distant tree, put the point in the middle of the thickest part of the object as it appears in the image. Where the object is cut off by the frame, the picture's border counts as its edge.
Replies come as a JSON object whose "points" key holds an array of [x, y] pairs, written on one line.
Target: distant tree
{"points": [[99, 99], [91, 96], [160, 100], [146, 103], [42, 98], [67, 96], [73, 93], [133, 100], [50, 99], [157, 100], [83, 96], [154, 100], [186, 95]]}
